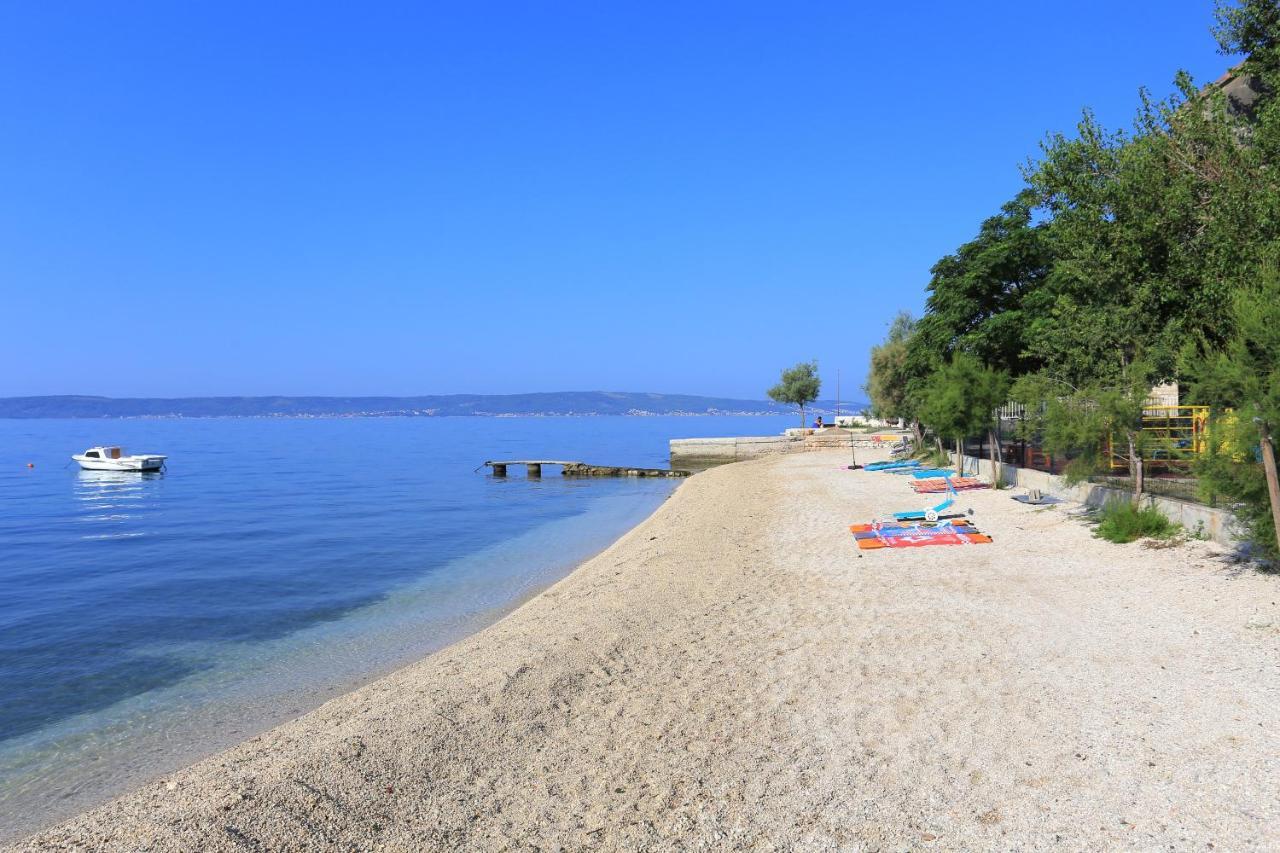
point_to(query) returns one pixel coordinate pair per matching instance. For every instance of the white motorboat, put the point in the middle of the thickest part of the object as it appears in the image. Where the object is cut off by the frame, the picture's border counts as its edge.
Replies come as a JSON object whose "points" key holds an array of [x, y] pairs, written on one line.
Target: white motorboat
{"points": [[114, 459]]}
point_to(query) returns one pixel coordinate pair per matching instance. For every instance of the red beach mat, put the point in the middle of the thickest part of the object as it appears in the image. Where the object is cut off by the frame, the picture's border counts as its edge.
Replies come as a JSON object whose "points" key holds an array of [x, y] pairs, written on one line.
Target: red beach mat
{"points": [[960, 484]]}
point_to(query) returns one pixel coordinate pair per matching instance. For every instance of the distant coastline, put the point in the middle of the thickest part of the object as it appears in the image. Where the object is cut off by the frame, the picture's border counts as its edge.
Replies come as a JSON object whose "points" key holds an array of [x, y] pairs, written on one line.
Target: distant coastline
{"points": [[545, 404]]}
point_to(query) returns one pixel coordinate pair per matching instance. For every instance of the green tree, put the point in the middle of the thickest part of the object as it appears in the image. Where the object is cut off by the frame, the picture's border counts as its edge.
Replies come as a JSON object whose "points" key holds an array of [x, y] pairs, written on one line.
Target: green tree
{"points": [[799, 386], [1252, 28], [960, 399], [1244, 378], [888, 377], [1091, 425], [977, 296]]}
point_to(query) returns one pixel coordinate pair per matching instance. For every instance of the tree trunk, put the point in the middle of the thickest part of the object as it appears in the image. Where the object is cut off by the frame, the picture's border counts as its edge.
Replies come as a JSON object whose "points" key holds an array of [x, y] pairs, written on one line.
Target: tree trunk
{"points": [[1135, 467], [995, 466], [1273, 485], [959, 458], [917, 434], [802, 416]]}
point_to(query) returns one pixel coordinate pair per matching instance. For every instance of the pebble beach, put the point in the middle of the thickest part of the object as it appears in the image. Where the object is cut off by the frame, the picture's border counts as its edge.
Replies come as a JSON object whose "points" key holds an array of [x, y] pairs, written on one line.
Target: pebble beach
{"points": [[735, 673]]}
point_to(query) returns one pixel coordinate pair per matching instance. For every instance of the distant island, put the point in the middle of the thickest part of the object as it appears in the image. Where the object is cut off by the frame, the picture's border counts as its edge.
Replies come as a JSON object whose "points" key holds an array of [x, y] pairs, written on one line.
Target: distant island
{"points": [[546, 404]]}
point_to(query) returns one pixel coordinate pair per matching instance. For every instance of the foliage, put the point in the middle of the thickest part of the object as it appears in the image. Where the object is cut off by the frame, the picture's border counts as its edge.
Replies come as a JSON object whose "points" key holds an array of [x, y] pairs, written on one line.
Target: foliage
{"points": [[1130, 257], [1251, 28], [932, 457], [961, 397], [1244, 378], [889, 378], [799, 386], [1077, 422], [977, 295], [1122, 521]]}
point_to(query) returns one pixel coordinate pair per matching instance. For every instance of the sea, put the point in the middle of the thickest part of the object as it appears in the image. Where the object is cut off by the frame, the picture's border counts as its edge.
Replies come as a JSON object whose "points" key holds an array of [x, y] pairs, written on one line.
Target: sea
{"points": [[147, 620]]}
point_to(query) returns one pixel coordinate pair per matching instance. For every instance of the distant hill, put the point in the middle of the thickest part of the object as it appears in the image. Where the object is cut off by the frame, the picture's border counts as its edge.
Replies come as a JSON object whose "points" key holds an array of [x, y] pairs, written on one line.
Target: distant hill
{"points": [[549, 403]]}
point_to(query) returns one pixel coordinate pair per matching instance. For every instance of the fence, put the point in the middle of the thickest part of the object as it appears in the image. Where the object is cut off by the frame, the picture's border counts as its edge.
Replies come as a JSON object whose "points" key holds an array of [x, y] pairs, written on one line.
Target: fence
{"points": [[1172, 437]]}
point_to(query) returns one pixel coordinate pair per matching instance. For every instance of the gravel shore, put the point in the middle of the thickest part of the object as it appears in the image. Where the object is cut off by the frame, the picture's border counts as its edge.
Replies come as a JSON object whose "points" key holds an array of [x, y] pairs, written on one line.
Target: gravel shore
{"points": [[735, 673]]}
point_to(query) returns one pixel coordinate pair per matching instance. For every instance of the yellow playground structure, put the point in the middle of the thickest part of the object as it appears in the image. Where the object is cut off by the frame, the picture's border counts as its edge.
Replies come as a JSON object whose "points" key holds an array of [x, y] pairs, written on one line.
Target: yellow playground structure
{"points": [[1172, 437]]}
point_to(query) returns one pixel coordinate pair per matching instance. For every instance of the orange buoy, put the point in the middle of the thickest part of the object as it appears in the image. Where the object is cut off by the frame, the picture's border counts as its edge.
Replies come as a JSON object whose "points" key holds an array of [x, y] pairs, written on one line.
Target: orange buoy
{"points": [[31, 464]]}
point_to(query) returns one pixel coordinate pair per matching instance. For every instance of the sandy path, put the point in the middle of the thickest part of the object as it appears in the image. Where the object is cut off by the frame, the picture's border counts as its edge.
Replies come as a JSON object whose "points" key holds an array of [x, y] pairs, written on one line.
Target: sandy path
{"points": [[733, 674]]}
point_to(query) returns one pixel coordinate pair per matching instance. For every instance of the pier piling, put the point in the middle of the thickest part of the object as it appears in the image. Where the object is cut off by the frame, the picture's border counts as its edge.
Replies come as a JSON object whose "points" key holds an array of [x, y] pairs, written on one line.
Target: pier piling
{"points": [[533, 467]]}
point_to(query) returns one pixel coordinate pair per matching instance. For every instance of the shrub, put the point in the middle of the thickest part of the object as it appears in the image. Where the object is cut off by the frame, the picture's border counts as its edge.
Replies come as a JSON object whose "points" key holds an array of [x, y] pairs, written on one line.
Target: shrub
{"points": [[1122, 522], [933, 457]]}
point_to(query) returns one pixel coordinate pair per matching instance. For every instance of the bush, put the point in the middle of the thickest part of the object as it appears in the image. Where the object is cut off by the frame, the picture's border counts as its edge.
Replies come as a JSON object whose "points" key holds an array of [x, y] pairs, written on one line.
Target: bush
{"points": [[934, 458], [1123, 522]]}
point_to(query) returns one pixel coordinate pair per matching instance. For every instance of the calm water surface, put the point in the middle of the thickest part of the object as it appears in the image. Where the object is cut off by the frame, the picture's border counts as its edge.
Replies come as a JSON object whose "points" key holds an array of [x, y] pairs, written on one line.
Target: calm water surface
{"points": [[148, 619]]}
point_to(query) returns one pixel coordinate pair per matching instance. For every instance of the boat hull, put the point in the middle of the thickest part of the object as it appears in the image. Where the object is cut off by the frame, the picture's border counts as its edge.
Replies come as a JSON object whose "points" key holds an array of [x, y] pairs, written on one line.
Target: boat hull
{"points": [[130, 463]]}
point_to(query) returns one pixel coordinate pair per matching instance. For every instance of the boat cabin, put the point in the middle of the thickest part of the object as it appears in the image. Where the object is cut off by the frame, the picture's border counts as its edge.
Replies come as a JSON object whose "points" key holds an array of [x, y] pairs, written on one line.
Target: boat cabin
{"points": [[104, 453]]}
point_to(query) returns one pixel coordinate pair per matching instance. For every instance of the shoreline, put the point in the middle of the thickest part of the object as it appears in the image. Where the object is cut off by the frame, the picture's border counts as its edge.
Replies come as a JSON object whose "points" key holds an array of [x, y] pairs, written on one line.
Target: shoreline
{"points": [[733, 670], [253, 717]]}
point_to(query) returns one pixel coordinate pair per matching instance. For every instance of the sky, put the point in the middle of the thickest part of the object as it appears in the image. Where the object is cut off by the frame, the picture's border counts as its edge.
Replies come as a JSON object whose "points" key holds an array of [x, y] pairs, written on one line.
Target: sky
{"points": [[418, 198]]}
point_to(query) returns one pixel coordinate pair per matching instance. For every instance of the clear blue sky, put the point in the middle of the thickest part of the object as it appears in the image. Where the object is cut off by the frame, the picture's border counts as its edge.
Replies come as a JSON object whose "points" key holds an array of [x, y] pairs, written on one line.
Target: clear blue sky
{"points": [[404, 198]]}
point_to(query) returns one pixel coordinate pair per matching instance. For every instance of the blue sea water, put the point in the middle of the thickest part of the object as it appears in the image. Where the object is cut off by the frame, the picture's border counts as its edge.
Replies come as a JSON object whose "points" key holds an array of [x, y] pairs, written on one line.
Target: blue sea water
{"points": [[149, 619]]}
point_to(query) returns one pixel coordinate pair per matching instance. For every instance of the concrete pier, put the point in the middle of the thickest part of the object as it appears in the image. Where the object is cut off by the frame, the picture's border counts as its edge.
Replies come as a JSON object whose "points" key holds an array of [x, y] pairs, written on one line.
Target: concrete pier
{"points": [[736, 449], [533, 468]]}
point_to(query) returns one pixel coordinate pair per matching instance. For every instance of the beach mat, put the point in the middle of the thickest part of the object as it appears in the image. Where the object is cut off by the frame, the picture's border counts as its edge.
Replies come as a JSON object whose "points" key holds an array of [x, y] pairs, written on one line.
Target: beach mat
{"points": [[959, 525], [960, 484], [918, 541], [916, 534]]}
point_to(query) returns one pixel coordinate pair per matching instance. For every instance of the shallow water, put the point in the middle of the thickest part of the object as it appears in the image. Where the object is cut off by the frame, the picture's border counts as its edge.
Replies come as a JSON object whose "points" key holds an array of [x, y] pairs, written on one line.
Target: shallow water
{"points": [[148, 619]]}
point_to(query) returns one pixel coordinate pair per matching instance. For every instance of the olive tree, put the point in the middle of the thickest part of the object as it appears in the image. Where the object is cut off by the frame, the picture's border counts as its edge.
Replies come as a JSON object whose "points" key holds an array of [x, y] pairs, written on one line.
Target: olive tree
{"points": [[799, 386]]}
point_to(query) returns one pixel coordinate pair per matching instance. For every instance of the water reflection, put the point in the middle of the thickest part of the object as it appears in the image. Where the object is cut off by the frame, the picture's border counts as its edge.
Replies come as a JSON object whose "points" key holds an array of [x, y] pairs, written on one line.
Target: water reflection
{"points": [[113, 499]]}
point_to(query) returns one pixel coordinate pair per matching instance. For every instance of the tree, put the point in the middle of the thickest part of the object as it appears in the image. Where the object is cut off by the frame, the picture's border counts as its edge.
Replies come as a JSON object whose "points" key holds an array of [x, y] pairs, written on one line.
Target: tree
{"points": [[799, 386], [888, 378], [1084, 422], [977, 295], [1244, 378], [1251, 27], [961, 398]]}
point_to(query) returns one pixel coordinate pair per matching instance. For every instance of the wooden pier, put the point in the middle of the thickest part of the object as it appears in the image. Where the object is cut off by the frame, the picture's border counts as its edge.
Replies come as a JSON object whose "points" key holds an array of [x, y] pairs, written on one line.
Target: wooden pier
{"points": [[533, 468]]}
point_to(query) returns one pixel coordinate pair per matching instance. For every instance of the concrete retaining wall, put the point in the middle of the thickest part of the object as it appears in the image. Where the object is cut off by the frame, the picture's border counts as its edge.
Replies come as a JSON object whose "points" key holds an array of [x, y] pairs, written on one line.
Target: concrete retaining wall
{"points": [[731, 449], [1218, 524], [710, 450]]}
